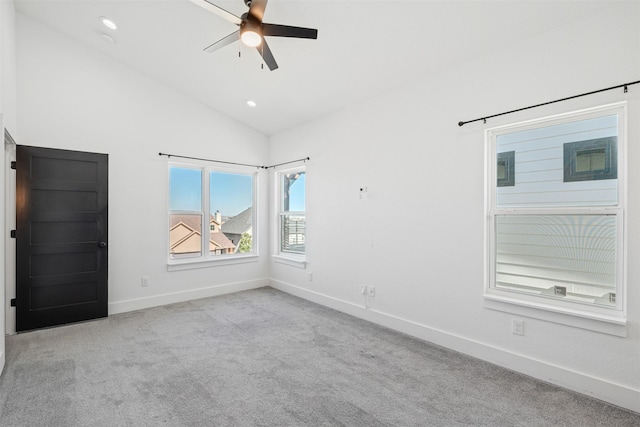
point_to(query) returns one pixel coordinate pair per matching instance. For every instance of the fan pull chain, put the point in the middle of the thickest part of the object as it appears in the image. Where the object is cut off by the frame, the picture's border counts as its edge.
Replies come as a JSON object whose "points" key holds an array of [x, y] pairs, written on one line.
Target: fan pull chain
{"points": [[262, 54]]}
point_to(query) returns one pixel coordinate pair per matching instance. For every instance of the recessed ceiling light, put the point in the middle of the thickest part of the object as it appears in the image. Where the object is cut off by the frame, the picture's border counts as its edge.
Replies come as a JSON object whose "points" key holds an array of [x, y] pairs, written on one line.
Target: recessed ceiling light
{"points": [[251, 103], [108, 23], [107, 38]]}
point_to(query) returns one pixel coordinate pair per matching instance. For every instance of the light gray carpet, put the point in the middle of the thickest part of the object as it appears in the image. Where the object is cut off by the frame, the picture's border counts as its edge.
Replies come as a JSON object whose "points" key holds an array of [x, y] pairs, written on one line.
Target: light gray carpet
{"points": [[265, 358]]}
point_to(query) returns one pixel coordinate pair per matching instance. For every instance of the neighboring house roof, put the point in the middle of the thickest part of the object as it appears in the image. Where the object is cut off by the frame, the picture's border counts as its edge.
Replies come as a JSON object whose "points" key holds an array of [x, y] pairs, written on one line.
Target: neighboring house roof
{"points": [[239, 224], [191, 221], [179, 234], [185, 235], [184, 240], [222, 241]]}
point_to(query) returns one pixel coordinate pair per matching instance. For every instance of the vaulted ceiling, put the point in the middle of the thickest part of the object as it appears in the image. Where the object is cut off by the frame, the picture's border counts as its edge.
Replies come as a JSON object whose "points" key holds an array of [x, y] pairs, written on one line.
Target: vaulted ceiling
{"points": [[363, 48]]}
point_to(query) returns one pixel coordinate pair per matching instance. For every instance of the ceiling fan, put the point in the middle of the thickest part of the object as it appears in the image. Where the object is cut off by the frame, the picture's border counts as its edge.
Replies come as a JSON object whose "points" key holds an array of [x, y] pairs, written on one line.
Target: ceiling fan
{"points": [[252, 30]]}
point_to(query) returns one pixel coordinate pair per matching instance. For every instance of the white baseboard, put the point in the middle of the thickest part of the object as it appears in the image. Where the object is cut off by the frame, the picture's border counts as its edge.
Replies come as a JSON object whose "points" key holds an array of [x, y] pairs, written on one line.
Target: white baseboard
{"points": [[615, 394], [192, 294]]}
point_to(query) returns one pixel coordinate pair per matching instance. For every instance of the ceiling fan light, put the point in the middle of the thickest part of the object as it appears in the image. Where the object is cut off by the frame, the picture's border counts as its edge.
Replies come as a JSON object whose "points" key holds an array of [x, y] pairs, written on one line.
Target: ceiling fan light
{"points": [[251, 38]]}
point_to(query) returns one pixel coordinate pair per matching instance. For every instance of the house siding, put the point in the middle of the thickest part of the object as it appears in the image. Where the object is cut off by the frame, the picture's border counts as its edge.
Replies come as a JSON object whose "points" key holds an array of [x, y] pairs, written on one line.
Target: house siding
{"points": [[539, 166]]}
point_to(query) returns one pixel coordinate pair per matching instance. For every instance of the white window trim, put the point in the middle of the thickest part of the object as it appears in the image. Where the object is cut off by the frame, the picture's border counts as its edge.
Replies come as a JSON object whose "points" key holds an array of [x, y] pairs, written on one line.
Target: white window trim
{"points": [[207, 260], [601, 319], [287, 258], [193, 263], [299, 261]]}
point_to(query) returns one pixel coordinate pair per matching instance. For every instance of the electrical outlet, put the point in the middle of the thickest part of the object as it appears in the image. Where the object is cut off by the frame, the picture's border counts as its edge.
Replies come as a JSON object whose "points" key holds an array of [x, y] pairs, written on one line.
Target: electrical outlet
{"points": [[371, 290], [310, 276], [363, 289], [145, 281], [517, 327]]}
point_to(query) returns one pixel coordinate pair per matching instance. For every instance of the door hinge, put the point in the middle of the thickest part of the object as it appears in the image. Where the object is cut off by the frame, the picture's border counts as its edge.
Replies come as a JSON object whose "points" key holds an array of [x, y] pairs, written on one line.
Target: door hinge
{"points": [[13, 234], [13, 302], [13, 165]]}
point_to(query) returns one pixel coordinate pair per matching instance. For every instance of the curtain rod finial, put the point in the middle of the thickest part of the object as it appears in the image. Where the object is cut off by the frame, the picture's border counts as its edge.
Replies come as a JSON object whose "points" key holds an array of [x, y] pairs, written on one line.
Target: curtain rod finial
{"points": [[460, 124]]}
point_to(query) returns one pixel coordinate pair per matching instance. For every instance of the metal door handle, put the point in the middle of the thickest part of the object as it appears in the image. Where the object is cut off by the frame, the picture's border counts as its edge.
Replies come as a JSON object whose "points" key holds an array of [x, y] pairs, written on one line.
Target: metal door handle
{"points": [[102, 244]]}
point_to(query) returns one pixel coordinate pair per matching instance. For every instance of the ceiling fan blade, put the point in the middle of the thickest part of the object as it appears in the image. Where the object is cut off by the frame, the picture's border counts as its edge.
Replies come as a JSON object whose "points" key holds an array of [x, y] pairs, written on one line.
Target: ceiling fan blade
{"points": [[266, 54], [218, 11], [235, 36], [288, 31], [257, 9]]}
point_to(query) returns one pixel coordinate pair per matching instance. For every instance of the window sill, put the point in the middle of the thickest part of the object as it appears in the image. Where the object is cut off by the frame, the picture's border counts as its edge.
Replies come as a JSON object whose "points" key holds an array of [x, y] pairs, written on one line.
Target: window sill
{"points": [[190, 264], [292, 260], [604, 323]]}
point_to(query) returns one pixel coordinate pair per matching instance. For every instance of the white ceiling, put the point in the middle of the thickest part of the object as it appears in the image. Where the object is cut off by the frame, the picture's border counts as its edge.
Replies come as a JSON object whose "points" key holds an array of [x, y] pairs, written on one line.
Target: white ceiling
{"points": [[363, 47]]}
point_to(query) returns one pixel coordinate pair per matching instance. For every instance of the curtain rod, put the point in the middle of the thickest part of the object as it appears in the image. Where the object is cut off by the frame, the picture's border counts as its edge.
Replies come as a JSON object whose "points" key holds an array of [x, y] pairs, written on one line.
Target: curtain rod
{"points": [[624, 85], [234, 163], [288, 163]]}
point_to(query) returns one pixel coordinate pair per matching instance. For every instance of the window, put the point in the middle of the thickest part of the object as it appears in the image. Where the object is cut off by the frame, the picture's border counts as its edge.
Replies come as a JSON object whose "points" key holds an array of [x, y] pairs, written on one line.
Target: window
{"points": [[591, 159], [505, 172], [555, 243], [292, 212], [213, 203]]}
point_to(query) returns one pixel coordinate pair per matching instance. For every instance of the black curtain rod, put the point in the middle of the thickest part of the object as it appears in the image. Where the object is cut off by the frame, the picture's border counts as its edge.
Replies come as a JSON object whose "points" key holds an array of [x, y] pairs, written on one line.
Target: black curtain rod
{"points": [[624, 85], [211, 160], [233, 163], [288, 163]]}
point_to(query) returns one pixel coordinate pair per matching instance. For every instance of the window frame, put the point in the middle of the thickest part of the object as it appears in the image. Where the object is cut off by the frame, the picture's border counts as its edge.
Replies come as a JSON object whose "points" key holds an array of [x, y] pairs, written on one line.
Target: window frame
{"points": [[206, 259], [594, 317], [295, 259]]}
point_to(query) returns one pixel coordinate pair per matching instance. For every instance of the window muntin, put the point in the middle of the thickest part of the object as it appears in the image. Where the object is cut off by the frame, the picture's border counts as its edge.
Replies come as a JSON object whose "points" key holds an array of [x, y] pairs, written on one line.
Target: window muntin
{"points": [[224, 198], [292, 224], [550, 241]]}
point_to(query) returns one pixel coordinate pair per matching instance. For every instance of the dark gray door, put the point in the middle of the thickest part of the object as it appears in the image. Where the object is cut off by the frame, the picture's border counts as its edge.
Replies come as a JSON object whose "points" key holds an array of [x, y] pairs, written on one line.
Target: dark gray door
{"points": [[61, 236]]}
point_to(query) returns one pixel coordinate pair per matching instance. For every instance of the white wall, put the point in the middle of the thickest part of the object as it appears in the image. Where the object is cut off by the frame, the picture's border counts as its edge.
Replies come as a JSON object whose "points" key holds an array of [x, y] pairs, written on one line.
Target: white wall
{"points": [[72, 97], [417, 235]]}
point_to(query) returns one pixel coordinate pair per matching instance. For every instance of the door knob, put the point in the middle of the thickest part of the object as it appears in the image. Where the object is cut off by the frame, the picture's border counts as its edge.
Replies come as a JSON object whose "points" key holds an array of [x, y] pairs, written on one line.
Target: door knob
{"points": [[102, 244]]}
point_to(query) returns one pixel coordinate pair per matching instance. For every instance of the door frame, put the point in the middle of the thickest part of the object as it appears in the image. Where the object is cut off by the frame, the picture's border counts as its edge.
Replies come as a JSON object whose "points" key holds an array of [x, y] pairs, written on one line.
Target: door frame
{"points": [[3, 247], [80, 304], [9, 211]]}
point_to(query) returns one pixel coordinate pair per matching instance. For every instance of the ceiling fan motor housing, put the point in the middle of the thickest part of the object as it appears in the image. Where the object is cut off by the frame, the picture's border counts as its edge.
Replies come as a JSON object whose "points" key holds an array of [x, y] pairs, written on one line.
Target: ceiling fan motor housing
{"points": [[253, 30]]}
